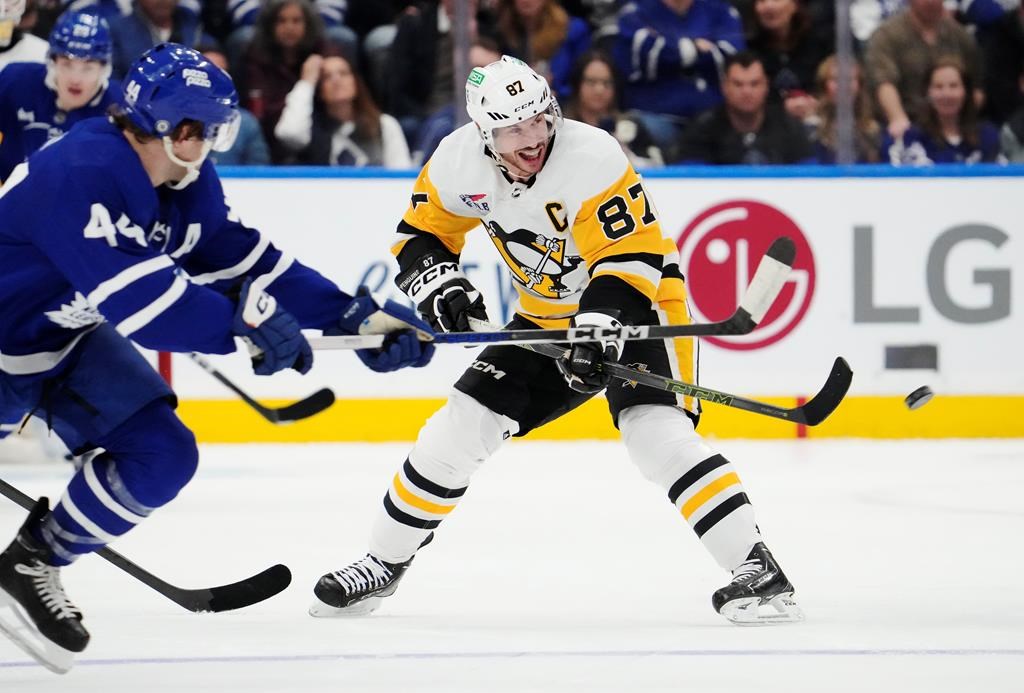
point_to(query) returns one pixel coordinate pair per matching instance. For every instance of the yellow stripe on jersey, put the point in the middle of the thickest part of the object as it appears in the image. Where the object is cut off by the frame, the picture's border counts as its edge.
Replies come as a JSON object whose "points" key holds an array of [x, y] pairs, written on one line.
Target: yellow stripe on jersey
{"points": [[417, 502], [617, 228], [701, 497], [427, 213]]}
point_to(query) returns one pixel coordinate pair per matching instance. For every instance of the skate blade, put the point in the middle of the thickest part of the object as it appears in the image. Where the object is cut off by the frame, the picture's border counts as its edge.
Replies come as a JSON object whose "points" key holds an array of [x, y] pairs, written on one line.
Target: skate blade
{"points": [[751, 612], [364, 608], [21, 631]]}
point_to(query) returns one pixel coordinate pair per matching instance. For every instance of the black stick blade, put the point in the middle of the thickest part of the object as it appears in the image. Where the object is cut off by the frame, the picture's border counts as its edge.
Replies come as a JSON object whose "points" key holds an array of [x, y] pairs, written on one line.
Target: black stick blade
{"points": [[303, 409], [238, 595], [831, 394], [782, 249]]}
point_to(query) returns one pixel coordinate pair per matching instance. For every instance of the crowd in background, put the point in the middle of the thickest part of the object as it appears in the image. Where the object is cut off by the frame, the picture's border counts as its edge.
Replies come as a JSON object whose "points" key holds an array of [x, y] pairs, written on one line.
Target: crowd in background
{"points": [[372, 83]]}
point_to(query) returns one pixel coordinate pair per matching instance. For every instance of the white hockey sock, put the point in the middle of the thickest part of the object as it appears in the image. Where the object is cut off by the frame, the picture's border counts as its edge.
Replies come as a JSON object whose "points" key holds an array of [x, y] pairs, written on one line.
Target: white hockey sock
{"points": [[701, 483], [450, 447]]}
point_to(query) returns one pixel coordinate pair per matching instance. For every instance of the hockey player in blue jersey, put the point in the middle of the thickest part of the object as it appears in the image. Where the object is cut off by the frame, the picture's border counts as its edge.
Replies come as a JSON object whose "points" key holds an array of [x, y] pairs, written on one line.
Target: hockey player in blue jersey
{"points": [[41, 102], [116, 231]]}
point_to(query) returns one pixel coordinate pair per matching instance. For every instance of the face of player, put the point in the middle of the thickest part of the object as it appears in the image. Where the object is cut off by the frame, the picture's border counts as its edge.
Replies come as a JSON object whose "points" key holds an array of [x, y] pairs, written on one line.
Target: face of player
{"points": [[775, 15], [77, 81], [290, 26], [745, 89], [337, 81], [597, 88], [524, 145], [946, 92]]}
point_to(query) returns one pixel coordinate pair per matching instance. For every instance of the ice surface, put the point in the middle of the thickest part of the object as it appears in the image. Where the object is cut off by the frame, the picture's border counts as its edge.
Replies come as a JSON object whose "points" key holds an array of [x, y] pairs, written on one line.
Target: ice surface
{"points": [[563, 569]]}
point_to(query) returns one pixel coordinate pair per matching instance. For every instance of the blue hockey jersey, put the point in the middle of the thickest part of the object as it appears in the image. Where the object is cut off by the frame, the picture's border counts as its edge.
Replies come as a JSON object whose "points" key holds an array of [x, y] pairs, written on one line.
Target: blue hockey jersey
{"points": [[29, 117], [85, 237], [656, 51]]}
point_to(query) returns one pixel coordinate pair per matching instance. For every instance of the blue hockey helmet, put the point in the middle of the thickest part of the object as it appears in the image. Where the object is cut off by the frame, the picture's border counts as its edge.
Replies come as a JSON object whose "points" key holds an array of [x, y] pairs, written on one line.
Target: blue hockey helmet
{"points": [[171, 83], [81, 35]]}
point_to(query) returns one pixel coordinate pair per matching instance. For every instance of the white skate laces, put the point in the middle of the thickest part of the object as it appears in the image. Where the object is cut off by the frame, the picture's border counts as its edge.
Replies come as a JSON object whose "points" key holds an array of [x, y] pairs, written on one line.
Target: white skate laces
{"points": [[364, 575], [46, 581], [747, 569]]}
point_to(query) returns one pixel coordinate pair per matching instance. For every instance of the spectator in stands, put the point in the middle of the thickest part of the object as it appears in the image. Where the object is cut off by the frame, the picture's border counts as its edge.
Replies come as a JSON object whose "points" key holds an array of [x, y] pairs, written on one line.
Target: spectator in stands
{"points": [[671, 53], [867, 15], [542, 34], [243, 16], [949, 131], [376, 23], [901, 52], [1003, 47], [330, 119], [596, 86], [441, 122], [782, 37], [421, 73], [112, 10], [746, 129], [250, 148], [288, 32], [867, 133], [16, 45], [1012, 134], [150, 23]]}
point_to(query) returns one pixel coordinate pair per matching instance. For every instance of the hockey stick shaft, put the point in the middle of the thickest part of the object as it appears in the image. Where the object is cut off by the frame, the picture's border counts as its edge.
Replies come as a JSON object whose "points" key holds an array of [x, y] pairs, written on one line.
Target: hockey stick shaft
{"points": [[769, 278], [816, 410], [223, 598], [303, 409]]}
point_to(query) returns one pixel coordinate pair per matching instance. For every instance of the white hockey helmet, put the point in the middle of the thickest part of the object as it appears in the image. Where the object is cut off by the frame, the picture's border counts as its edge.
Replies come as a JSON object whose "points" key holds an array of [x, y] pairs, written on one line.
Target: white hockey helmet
{"points": [[505, 93]]}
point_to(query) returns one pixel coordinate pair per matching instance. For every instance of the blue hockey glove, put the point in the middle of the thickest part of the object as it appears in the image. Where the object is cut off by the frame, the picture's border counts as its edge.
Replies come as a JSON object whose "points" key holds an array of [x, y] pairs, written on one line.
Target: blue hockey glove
{"points": [[273, 336], [581, 367], [403, 331]]}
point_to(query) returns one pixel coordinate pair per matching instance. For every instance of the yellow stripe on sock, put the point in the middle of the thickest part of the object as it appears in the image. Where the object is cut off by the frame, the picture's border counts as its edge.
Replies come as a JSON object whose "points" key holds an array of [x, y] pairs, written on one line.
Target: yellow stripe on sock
{"points": [[702, 496], [417, 502]]}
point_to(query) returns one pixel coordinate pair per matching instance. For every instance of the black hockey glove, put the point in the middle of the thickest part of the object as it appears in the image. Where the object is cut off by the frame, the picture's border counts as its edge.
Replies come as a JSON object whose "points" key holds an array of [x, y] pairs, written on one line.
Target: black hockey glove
{"points": [[441, 292], [581, 368]]}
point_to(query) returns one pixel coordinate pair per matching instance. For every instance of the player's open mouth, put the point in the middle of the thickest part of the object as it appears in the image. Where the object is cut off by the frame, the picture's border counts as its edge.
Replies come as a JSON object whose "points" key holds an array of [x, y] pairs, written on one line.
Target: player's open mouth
{"points": [[532, 154]]}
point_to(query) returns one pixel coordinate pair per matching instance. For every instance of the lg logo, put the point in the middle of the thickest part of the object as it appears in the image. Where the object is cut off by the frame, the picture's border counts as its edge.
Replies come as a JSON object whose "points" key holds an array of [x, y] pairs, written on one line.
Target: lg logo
{"points": [[718, 253]]}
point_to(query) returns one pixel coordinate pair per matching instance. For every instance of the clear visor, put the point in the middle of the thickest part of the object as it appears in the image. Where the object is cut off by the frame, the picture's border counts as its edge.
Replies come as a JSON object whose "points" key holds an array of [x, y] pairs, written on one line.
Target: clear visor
{"points": [[222, 135], [530, 133], [78, 70]]}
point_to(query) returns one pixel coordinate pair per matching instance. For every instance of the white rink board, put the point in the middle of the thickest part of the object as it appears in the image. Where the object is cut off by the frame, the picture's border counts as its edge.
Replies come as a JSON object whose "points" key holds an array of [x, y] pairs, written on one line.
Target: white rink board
{"points": [[344, 227]]}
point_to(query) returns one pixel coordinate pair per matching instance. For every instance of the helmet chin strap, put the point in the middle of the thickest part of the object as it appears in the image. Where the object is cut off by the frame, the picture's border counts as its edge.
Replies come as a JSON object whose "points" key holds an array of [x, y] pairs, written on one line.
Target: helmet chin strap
{"points": [[191, 167]]}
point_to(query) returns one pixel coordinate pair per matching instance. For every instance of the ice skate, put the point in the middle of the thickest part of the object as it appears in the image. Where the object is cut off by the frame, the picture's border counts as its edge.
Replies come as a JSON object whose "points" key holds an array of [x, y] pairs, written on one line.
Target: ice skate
{"points": [[759, 593], [358, 589], [35, 612]]}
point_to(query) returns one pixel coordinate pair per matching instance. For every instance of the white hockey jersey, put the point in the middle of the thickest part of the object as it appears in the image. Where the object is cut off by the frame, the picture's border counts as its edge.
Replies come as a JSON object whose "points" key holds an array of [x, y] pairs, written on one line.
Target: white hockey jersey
{"points": [[584, 215]]}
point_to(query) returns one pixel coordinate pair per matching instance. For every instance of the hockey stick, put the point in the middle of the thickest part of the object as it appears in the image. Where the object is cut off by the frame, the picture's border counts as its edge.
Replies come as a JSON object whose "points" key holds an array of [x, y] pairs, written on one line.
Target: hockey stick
{"points": [[237, 595], [768, 281], [303, 409], [812, 413]]}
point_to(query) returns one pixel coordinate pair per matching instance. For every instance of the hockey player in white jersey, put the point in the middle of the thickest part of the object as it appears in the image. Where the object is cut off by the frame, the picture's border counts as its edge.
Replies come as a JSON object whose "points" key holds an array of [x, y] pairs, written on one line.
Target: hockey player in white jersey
{"points": [[573, 222]]}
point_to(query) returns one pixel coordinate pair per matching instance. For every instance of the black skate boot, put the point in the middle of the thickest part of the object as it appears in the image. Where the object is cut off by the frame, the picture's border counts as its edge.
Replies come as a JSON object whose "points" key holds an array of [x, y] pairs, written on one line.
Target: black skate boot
{"points": [[34, 610], [357, 589], [758, 582]]}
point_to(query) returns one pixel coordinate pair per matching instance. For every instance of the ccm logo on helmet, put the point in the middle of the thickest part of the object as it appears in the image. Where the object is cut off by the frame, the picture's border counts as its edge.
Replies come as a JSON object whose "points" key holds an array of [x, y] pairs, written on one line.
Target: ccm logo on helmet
{"points": [[196, 77], [417, 282]]}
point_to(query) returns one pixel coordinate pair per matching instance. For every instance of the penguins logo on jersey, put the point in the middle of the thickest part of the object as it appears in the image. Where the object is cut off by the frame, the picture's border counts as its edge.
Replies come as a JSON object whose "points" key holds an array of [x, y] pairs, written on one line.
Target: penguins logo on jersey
{"points": [[537, 262]]}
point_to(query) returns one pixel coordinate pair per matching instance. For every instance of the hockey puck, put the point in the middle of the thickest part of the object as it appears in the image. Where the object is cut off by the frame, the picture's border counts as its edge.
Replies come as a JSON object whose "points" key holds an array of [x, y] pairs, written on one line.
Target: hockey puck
{"points": [[919, 397]]}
